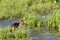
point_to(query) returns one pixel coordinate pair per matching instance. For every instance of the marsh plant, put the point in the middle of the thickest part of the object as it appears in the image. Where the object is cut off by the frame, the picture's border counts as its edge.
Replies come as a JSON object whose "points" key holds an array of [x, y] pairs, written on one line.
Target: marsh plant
{"points": [[18, 34], [54, 20], [16, 8], [32, 20]]}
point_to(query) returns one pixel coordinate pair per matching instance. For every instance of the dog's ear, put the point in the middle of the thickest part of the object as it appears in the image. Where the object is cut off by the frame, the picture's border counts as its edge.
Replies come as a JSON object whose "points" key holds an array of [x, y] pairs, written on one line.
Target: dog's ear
{"points": [[23, 21]]}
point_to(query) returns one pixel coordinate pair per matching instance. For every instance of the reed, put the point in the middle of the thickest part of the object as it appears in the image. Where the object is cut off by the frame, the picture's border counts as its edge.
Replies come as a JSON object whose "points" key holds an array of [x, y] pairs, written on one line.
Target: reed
{"points": [[13, 8], [18, 34]]}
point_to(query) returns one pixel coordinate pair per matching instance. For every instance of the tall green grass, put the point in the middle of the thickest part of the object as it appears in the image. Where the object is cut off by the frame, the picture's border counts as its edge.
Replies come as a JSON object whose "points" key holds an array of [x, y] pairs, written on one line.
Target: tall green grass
{"points": [[54, 20], [17, 8], [31, 20], [18, 34]]}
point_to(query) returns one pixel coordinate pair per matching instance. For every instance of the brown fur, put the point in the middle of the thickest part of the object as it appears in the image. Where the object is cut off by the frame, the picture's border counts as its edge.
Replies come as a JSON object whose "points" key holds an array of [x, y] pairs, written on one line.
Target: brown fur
{"points": [[16, 25]]}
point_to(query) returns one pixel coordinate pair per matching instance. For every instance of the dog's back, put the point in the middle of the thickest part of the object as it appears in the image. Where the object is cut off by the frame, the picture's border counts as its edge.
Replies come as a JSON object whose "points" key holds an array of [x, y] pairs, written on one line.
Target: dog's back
{"points": [[14, 26]]}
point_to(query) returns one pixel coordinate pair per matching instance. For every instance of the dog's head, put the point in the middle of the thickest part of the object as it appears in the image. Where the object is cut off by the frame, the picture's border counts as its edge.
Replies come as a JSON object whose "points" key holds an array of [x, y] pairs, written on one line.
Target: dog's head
{"points": [[22, 22]]}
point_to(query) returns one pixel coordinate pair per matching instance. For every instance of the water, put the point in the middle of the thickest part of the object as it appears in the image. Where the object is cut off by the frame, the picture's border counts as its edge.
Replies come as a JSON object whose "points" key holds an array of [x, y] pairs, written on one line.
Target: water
{"points": [[44, 16], [6, 23], [43, 36]]}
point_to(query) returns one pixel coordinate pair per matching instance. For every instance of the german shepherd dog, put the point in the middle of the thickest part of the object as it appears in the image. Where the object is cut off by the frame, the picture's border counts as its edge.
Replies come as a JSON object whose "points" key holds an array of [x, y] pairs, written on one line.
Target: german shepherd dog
{"points": [[16, 25]]}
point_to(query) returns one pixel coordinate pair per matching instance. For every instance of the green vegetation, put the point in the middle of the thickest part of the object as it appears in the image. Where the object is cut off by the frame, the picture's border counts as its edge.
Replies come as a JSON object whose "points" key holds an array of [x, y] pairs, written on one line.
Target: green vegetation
{"points": [[32, 20], [30, 11], [17, 8], [19, 34], [54, 20]]}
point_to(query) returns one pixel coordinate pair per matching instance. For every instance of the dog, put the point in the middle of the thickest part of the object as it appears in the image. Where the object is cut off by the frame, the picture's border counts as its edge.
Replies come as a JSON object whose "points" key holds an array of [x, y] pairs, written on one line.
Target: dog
{"points": [[16, 25]]}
